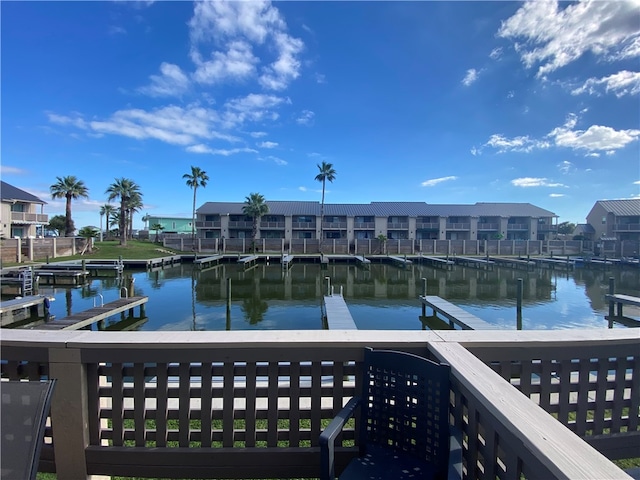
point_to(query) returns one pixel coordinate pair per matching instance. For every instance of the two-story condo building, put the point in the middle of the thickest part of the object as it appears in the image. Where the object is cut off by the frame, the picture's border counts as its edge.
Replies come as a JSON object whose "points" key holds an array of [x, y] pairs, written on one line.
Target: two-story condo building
{"points": [[616, 219], [19, 215], [394, 220]]}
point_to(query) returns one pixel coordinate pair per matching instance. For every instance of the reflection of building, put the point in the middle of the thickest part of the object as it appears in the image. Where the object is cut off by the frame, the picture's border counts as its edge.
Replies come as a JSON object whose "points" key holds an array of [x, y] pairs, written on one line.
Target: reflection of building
{"points": [[18, 215], [394, 220], [616, 225]]}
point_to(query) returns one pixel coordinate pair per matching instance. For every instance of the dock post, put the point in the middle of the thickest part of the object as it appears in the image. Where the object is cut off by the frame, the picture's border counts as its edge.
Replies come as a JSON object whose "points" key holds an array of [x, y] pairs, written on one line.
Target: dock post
{"points": [[519, 305], [424, 294], [228, 296], [612, 288], [328, 279]]}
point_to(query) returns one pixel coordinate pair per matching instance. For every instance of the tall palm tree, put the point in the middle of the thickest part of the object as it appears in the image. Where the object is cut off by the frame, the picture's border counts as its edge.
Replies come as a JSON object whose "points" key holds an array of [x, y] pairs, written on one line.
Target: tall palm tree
{"points": [[255, 207], [106, 211], [326, 172], [124, 189], [70, 188], [197, 178], [134, 205]]}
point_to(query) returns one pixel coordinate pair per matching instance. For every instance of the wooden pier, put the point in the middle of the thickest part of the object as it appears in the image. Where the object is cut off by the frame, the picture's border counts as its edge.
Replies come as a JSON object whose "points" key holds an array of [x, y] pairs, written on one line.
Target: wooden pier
{"points": [[454, 314], [94, 269], [287, 261], [362, 261], [515, 263], [552, 263], [207, 262], [337, 313], [57, 277], [9, 308], [96, 314], [402, 261], [437, 262], [481, 263], [248, 262], [618, 300]]}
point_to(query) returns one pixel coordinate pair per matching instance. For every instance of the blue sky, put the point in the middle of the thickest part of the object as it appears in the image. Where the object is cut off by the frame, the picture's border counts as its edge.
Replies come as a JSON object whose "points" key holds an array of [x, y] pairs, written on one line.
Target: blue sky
{"points": [[442, 102]]}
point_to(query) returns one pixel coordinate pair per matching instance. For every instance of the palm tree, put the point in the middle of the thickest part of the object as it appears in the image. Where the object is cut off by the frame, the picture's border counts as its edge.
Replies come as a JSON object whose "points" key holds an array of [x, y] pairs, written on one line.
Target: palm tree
{"points": [[197, 178], [133, 205], [327, 172], [157, 227], [106, 210], [69, 188], [255, 207], [88, 233], [125, 189]]}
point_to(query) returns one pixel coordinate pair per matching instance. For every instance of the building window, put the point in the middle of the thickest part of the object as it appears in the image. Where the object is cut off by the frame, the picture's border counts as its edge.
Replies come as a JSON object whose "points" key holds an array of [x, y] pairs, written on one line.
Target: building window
{"points": [[604, 220]]}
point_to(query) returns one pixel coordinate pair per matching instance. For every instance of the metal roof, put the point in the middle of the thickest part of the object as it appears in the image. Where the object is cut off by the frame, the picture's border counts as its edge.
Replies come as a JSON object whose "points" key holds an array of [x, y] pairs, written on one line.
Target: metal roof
{"points": [[385, 209], [9, 192], [621, 208], [583, 228]]}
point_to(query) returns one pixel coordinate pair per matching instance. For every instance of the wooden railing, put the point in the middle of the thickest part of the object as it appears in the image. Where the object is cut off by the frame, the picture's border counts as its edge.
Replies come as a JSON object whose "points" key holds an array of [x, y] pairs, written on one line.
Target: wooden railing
{"points": [[252, 404]]}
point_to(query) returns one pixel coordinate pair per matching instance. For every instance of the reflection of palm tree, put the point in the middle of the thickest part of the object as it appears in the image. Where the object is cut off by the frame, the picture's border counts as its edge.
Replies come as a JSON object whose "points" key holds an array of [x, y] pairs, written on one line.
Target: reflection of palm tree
{"points": [[254, 309], [69, 301]]}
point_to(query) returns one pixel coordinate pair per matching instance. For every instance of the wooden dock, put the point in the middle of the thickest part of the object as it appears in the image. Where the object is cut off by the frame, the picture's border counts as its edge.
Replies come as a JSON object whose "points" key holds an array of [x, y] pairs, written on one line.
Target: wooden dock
{"points": [[8, 308], [362, 260], [515, 263], [618, 300], [481, 263], [207, 262], [337, 313], [248, 262], [551, 263], [402, 261], [94, 269], [437, 262], [95, 314], [55, 277], [287, 261], [454, 314]]}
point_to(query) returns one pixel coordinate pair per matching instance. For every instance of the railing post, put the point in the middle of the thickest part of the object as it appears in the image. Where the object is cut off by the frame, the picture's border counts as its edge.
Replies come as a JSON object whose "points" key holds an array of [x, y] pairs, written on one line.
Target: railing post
{"points": [[69, 413]]}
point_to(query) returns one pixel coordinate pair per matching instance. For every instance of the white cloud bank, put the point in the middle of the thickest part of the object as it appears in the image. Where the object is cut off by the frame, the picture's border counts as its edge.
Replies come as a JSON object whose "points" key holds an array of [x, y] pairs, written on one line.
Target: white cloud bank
{"points": [[435, 181], [528, 182], [620, 84]]}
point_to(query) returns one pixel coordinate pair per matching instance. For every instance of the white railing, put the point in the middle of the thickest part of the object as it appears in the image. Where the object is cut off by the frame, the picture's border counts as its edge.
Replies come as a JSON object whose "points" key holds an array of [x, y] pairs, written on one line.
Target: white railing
{"points": [[252, 404]]}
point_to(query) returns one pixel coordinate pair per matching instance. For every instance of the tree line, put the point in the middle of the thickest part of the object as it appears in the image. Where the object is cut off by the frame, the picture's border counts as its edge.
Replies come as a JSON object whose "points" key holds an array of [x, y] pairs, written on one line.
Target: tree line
{"points": [[128, 193]]}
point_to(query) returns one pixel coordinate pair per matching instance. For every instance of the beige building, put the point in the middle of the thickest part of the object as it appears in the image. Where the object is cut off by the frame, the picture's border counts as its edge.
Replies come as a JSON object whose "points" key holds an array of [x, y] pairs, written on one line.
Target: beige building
{"points": [[21, 214], [394, 220]]}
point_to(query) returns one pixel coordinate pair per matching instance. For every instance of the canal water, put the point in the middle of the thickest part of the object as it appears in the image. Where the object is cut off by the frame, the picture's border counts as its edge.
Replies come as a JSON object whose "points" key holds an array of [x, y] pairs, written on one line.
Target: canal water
{"points": [[382, 297]]}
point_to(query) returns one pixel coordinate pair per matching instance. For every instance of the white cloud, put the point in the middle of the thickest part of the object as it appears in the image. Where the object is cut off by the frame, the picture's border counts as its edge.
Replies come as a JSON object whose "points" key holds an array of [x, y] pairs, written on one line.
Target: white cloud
{"points": [[302, 189], [527, 182], [200, 148], [556, 195], [555, 37], [116, 30], [7, 170], [75, 120], [237, 63], [496, 53], [306, 117], [171, 82], [267, 144], [515, 144], [238, 26], [636, 182], [435, 181], [253, 107], [566, 167], [620, 84], [470, 77], [476, 151], [277, 160], [258, 134]]}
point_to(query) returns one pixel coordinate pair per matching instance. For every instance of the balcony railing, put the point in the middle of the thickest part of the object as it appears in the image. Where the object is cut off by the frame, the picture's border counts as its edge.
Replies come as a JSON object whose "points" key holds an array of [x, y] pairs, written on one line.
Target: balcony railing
{"points": [[240, 224], [246, 405], [458, 226], [427, 226], [397, 226], [627, 227], [304, 225], [488, 226], [208, 224], [545, 227], [341, 225], [32, 218], [271, 224], [364, 225], [517, 226]]}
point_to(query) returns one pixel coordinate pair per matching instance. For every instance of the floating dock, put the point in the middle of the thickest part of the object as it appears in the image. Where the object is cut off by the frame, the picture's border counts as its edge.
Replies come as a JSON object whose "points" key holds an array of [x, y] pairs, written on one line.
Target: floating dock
{"points": [[402, 261], [552, 263], [481, 263], [437, 262], [515, 263], [208, 262], [96, 314], [362, 260], [287, 261], [57, 277], [337, 313], [248, 262], [454, 314], [10, 308]]}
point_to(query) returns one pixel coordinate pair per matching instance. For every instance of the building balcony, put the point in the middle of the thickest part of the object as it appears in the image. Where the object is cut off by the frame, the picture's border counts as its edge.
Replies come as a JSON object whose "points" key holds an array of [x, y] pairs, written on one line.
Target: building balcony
{"points": [[234, 404], [626, 227], [458, 226], [398, 226], [334, 225], [266, 225], [517, 226], [364, 225], [492, 227], [240, 224], [544, 227], [304, 225], [29, 218], [427, 226], [208, 224]]}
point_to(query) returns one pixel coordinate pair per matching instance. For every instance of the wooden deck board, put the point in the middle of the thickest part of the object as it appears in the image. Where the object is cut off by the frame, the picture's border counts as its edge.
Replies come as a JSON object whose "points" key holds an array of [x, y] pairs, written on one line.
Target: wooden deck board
{"points": [[95, 314], [338, 315]]}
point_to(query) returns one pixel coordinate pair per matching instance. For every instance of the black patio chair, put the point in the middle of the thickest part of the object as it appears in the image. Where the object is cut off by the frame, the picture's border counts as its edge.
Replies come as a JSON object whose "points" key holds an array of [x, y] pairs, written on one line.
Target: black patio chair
{"points": [[24, 410], [404, 422]]}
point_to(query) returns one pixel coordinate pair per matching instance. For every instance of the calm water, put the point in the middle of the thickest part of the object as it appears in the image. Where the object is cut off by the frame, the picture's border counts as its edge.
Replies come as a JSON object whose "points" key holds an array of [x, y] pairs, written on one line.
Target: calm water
{"points": [[383, 297]]}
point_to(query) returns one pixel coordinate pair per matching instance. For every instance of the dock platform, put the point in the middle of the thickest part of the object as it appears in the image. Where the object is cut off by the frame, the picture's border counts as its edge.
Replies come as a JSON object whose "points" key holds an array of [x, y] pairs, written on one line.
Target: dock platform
{"points": [[55, 277], [287, 261], [515, 263], [481, 263], [9, 307], [248, 262], [337, 313], [362, 260], [618, 300], [454, 314], [95, 314], [207, 262], [553, 263], [437, 262], [402, 261]]}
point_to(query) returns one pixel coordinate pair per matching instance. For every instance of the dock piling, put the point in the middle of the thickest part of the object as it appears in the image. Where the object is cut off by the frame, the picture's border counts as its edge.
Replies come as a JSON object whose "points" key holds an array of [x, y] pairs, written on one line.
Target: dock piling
{"points": [[519, 305], [612, 288], [228, 296]]}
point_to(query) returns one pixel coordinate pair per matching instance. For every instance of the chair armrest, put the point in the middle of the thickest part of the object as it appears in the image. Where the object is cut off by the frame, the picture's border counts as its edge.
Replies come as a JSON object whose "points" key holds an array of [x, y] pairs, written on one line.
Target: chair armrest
{"points": [[328, 439]]}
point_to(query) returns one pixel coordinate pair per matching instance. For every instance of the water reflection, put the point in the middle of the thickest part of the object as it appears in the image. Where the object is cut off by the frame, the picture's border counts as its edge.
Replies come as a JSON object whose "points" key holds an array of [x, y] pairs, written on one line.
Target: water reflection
{"points": [[381, 297]]}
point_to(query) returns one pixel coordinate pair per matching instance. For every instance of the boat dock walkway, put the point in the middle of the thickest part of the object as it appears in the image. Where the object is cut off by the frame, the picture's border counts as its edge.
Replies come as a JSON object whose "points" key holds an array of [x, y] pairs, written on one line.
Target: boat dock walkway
{"points": [[402, 261], [454, 314], [618, 300], [437, 262], [362, 260], [337, 313], [207, 262], [287, 261], [95, 314], [248, 262], [7, 308], [553, 263], [515, 263], [481, 263], [54, 277]]}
